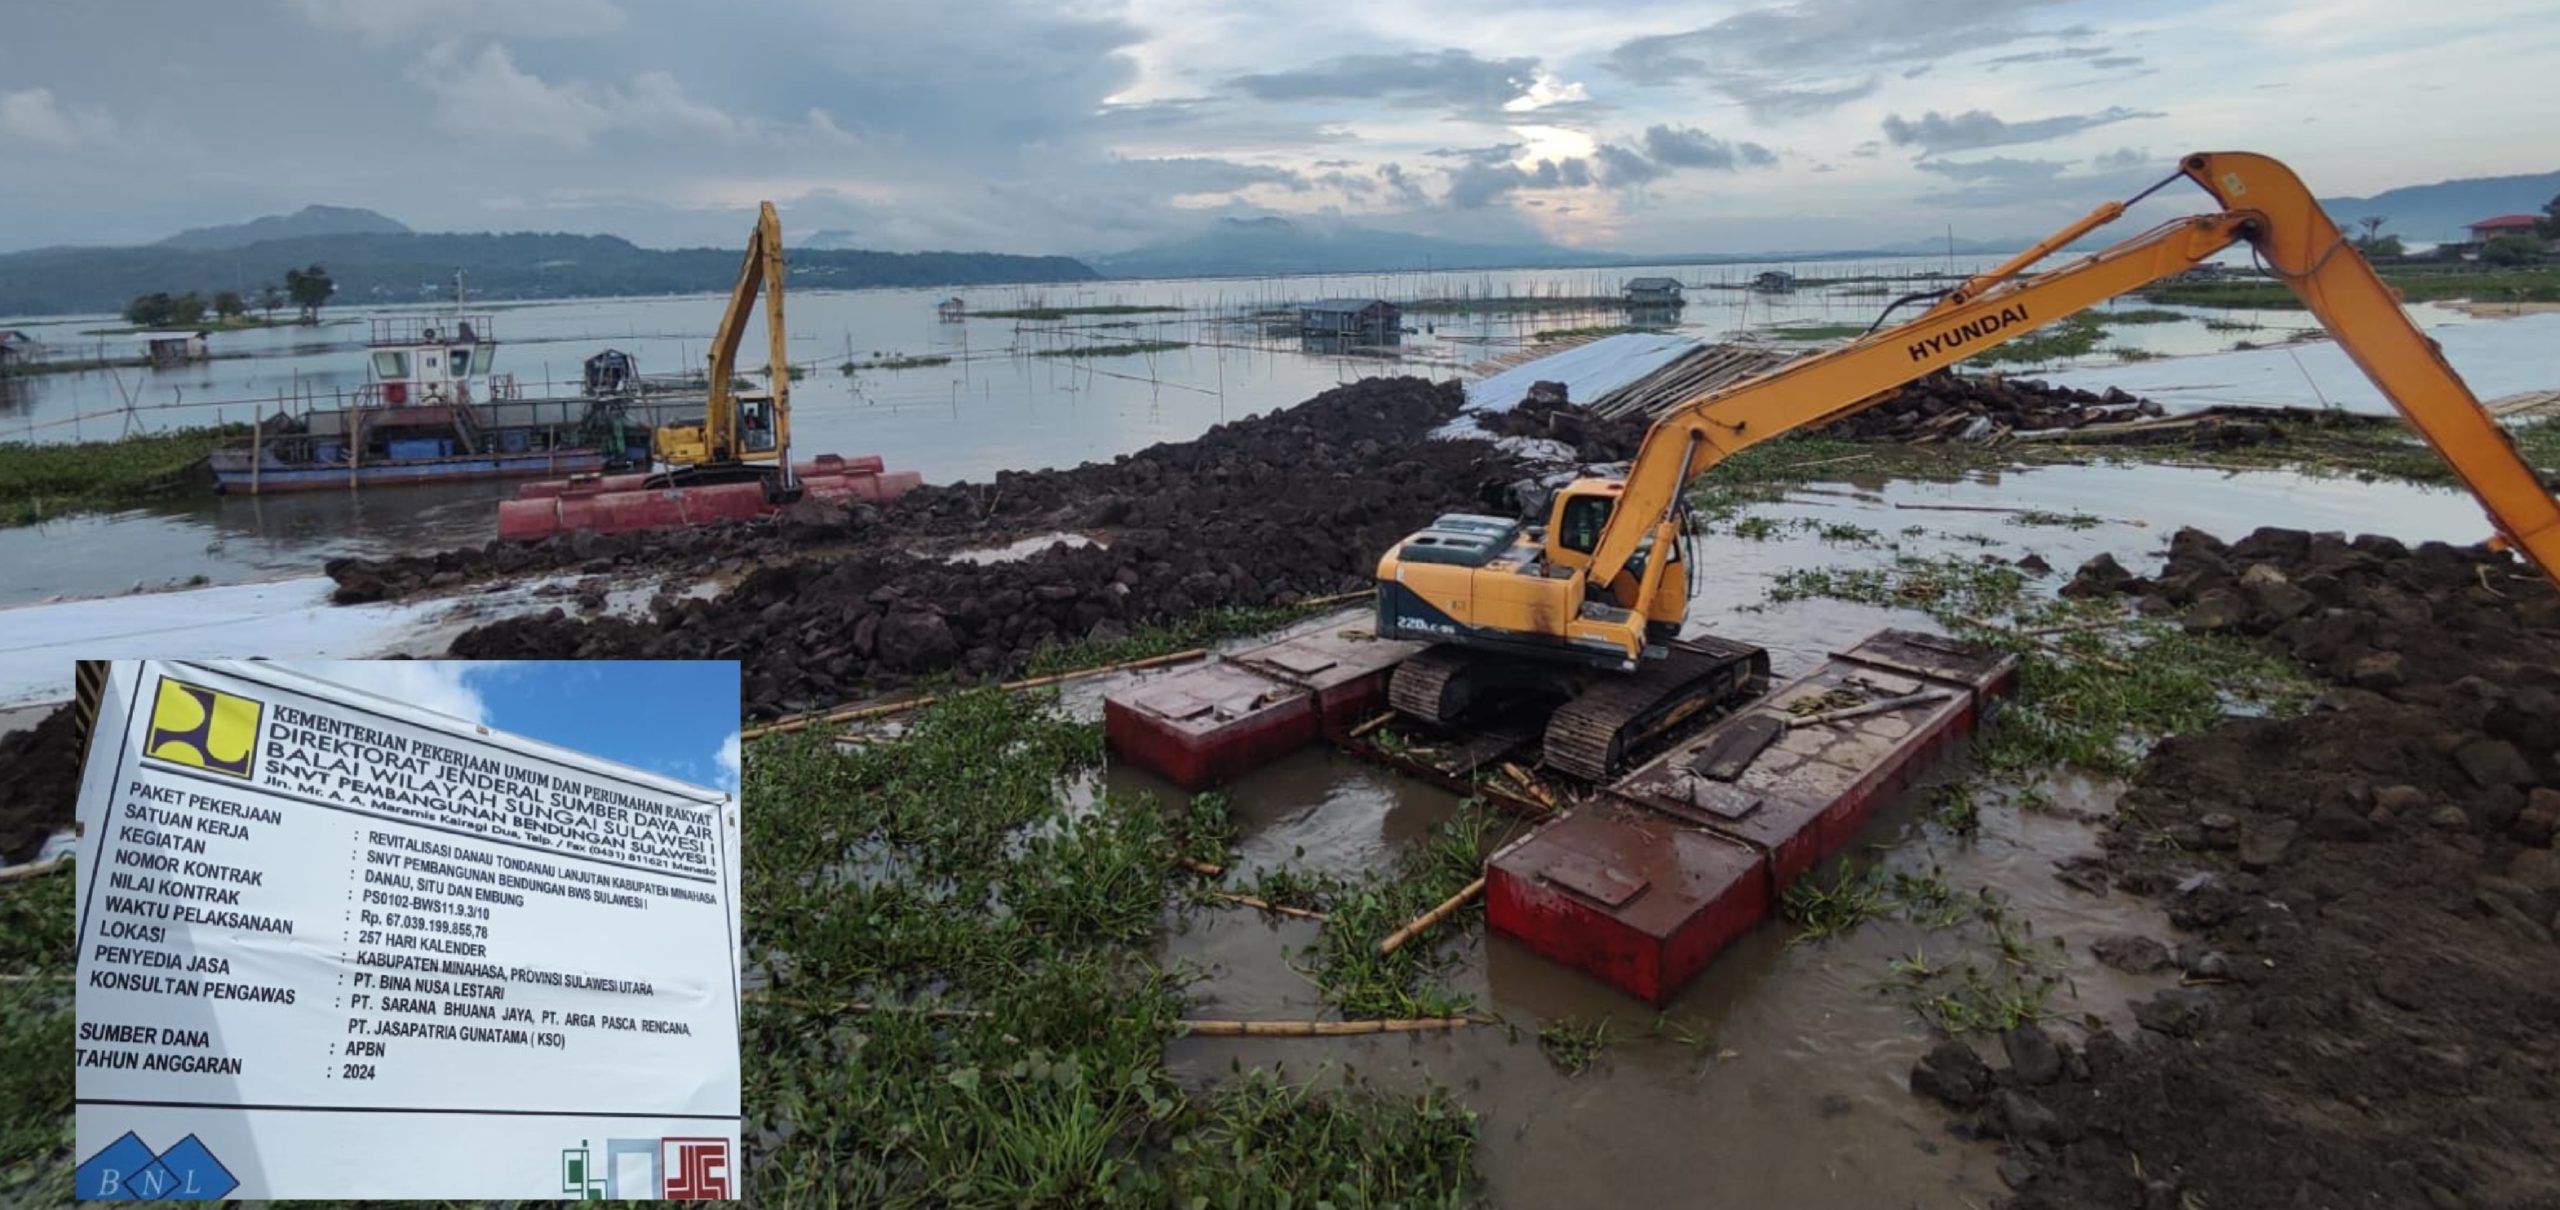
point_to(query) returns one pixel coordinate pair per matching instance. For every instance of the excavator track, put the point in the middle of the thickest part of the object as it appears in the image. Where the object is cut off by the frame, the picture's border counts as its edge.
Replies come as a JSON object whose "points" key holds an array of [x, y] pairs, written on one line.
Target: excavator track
{"points": [[1430, 685], [1592, 735]]}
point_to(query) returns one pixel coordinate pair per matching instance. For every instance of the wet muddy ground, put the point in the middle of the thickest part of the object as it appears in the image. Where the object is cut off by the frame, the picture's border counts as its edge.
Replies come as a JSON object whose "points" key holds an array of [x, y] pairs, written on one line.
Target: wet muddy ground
{"points": [[1779, 1078]]}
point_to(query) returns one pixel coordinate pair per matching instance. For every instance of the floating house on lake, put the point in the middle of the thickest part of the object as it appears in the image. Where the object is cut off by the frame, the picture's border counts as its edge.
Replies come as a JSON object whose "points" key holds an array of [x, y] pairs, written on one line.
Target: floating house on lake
{"points": [[1653, 292], [17, 349], [1357, 320], [951, 309], [176, 348], [1774, 281]]}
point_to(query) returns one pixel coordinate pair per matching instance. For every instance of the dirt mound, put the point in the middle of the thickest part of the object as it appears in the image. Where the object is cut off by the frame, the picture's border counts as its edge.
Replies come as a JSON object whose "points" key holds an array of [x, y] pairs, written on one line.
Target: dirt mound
{"points": [[1600, 439], [1946, 406], [2370, 896], [1358, 425], [1268, 511], [39, 784]]}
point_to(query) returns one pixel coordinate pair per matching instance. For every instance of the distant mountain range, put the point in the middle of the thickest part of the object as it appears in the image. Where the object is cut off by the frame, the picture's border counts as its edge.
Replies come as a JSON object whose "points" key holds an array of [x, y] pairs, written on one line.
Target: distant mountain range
{"points": [[310, 220], [2440, 212], [376, 259], [1238, 247]]}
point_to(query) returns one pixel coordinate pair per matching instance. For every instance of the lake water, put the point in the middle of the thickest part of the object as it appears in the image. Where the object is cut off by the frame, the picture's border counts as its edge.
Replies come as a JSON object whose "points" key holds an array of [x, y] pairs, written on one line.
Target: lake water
{"points": [[998, 402]]}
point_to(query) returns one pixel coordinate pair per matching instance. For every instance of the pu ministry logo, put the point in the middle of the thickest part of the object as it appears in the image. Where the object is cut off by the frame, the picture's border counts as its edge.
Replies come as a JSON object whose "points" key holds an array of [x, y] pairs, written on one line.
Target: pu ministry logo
{"points": [[206, 728]]}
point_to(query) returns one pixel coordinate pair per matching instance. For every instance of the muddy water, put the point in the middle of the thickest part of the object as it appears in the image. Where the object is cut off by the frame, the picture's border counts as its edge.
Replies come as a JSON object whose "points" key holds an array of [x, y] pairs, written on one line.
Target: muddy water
{"points": [[1778, 1077]]}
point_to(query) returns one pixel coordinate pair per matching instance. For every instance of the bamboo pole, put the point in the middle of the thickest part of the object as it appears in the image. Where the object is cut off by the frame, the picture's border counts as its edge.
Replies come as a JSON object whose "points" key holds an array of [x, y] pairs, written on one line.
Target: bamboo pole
{"points": [[1323, 1029], [855, 714], [1845, 713], [1267, 905], [866, 1006], [61, 861], [257, 445], [1447, 907], [1373, 724]]}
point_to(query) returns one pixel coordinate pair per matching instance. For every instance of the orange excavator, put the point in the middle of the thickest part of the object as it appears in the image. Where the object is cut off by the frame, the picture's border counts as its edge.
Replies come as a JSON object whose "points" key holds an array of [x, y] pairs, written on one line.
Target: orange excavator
{"points": [[1588, 607], [734, 463]]}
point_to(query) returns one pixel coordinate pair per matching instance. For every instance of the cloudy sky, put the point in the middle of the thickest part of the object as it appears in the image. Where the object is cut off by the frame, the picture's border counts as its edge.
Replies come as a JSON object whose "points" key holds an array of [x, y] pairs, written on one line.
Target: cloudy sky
{"points": [[1078, 127], [678, 718]]}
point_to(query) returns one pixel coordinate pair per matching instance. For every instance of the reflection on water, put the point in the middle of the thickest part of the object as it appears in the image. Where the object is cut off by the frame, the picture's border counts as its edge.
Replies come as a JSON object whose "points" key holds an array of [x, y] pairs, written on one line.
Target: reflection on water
{"points": [[233, 539]]}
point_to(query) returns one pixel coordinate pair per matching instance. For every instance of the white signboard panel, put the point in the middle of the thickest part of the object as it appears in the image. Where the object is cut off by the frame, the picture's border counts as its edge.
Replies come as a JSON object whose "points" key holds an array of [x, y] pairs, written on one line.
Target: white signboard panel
{"points": [[335, 946]]}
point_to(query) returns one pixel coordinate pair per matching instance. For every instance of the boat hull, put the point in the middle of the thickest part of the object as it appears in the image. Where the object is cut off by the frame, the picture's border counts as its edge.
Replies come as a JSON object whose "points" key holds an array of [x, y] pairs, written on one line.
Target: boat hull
{"points": [[238, 477]]}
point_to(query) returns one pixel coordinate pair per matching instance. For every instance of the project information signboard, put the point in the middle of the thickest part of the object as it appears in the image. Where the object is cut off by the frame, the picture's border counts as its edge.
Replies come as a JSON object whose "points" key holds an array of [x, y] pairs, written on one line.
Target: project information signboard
{"points": [[336, 946]]}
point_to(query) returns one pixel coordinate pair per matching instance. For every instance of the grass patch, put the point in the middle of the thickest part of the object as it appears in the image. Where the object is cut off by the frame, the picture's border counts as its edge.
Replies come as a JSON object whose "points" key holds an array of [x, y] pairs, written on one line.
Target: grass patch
{"points": [[42, 481], [2095, 699], [72, 365], [2144, 315], [1125, 349], [1818, 331], [1594, 331], [1063, 312], [2129, 353], [948, 869], [36, 933], [1765, 472], [1197, 629], [2073, 520], [1359, 980], [1853, 896], [1513, 305], [1573, 1044], [2072, 336], [902, 362], [2415, 283]]}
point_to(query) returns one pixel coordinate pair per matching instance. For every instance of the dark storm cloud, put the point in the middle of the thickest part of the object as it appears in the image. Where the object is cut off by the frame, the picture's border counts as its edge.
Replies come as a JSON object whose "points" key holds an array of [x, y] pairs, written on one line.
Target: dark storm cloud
{"points": [[1935, 132], [1825, 34], [1805, 58], [1996, 168], [1477, 183], [1690, 147], [2045, 56], [1621, 166], [1448, 77]]}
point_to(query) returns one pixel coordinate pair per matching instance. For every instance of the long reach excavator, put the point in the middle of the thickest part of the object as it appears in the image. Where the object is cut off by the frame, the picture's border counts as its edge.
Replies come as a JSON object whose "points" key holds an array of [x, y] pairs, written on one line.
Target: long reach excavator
{"points": [[1587, 609]]}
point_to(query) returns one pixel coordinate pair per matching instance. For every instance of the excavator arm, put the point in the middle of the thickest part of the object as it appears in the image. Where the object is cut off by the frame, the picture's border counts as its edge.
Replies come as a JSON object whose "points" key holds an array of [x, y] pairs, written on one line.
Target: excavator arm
{"points": [[2262, 202], [723, 438]]}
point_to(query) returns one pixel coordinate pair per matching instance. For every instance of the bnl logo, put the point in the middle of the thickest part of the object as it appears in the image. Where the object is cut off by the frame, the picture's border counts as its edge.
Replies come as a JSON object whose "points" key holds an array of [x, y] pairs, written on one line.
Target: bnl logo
{"points": [[206, 728], [678, 1168], [126, 1168]]}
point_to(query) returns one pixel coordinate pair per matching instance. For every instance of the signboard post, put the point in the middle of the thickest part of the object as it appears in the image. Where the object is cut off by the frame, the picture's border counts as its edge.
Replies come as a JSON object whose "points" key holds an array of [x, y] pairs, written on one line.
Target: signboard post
{"points": [[333, 946]]}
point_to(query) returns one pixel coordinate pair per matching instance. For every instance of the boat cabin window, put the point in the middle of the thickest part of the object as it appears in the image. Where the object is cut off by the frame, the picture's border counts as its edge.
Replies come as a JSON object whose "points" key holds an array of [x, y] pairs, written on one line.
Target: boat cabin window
{"points": [[1584, 516], [461, 360], [389, 364]]}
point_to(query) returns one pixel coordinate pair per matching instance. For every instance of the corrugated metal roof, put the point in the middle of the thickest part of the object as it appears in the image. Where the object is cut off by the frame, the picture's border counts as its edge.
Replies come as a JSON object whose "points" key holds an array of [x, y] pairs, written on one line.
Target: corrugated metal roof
{"points": [[1653, 283], [1344, 304], [1587, 371]]}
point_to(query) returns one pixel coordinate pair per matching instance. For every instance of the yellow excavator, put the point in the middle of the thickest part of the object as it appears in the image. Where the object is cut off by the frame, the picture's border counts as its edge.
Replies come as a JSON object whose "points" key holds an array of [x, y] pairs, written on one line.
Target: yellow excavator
{"points": [[743, 436], [1587, 608]]}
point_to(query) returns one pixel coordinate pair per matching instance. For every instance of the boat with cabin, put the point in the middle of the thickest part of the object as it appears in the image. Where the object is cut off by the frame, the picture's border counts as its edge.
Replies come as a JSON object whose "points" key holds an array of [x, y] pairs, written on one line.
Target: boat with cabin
{"points": [[433, 411]]}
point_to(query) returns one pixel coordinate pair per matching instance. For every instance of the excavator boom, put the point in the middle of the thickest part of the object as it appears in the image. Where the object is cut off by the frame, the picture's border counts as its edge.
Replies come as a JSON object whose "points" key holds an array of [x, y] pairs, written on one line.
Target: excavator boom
{"points": [[1602, 586], [743, 428], [2264, 203]]}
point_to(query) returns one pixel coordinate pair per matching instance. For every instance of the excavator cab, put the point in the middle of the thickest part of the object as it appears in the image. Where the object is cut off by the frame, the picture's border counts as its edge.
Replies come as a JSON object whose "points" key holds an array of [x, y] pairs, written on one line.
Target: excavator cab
{"points": [[1577, 516], [755, 426]]}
